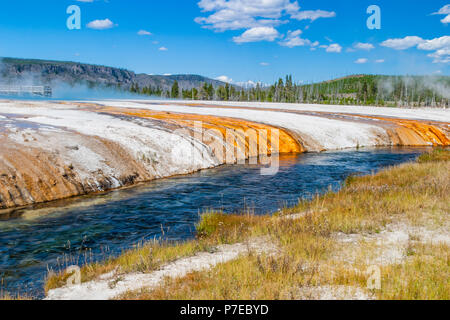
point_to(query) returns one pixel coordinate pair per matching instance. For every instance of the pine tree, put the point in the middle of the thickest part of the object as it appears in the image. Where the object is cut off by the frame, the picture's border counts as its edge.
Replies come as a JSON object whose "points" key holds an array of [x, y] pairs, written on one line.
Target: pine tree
{"points": [[210, 92], [175, 92]]}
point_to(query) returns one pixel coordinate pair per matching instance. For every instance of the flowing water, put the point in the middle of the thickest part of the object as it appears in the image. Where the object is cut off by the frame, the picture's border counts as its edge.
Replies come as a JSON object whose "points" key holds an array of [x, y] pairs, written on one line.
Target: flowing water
{"points": [[71, 231]]}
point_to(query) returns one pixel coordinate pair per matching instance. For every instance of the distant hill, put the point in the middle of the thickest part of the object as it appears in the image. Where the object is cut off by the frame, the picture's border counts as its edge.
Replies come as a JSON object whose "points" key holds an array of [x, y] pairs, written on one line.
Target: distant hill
{"points": [[31, 71], [374, 90], [360, 89], [384, 89]]}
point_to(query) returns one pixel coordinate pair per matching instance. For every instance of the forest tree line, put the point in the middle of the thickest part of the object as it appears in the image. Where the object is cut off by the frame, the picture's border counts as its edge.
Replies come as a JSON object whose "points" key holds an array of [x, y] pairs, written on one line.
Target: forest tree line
{"points": [[414, 91]]}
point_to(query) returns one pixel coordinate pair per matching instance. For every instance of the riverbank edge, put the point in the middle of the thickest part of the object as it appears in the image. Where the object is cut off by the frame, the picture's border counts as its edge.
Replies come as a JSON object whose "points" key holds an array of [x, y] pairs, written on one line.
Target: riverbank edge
{"points": [[15, 201], [317, 240]]}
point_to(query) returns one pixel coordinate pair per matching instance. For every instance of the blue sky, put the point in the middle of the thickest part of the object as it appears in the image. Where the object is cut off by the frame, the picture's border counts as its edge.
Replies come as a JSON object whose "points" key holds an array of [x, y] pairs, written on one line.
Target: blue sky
{"points": [[258, 40]]}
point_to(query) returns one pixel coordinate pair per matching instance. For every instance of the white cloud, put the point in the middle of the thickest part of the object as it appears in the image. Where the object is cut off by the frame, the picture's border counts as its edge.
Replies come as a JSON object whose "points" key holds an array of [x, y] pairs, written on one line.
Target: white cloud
{"points": [[85, 0], [293, 39], [265, 64], [441, 46], [248, 84], [244, 84], [403, 43], [413, 41], [445, 10], [441, 56], [434, 44], [333, 48], [313, 15], [224, 79], [364, 46], [101, 24], [255, 16], [379, 61], [244, 14], [361, 61], [163, 49], [144, 33], [258, 34]]}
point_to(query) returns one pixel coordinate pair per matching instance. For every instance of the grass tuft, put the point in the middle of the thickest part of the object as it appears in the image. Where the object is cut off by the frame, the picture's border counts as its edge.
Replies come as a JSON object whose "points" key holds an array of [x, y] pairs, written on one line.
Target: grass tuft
{"points": [[437, 155]]}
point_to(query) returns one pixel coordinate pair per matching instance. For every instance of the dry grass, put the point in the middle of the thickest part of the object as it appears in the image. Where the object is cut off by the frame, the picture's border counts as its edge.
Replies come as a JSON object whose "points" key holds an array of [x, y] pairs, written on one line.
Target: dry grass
{"points": [[8, 297], [437, 155], [211, 231], [144, 258], [423, 277], [311, 255]]}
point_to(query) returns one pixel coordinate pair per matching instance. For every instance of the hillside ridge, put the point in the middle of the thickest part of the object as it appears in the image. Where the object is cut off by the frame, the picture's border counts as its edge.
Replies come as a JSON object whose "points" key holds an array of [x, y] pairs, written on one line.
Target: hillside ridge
{"points": [[36, 71]]}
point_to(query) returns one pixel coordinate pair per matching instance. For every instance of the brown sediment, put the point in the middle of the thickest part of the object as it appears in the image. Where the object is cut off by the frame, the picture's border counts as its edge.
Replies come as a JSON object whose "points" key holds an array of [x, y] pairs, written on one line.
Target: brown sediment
{"points": [[37, 168], [30, 175], [239, 129], [401, 132], [417, 133]]}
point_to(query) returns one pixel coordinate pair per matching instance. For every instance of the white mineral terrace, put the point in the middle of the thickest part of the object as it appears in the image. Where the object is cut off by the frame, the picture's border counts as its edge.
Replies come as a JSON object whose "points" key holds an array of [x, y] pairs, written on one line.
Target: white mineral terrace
{"points": [[54, 150]]}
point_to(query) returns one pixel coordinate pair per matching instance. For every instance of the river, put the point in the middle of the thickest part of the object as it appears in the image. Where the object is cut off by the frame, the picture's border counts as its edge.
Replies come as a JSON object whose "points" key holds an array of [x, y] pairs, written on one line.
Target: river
{"points": [[93, 228]]}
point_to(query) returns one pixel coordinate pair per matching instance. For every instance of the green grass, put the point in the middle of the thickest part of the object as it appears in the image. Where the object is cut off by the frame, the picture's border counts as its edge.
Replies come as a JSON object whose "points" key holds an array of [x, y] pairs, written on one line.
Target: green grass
{"points": [[437, 155]]}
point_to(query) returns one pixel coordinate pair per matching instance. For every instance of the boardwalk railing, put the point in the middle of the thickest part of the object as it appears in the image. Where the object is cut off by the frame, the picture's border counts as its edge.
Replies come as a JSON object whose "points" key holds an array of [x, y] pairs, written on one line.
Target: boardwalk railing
{"points": [[44, 91]]}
